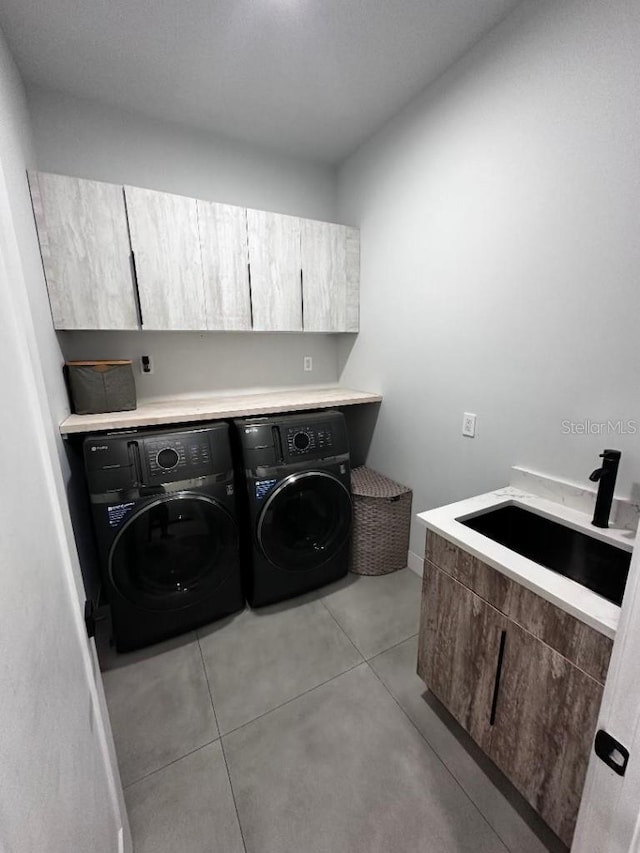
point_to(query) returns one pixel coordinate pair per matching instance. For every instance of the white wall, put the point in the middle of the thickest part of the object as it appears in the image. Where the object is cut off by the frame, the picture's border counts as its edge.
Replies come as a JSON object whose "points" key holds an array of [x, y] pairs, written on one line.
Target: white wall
{"points": [[192, 363], [86, 139], [59, 780], [500, 253], [18, 156]]}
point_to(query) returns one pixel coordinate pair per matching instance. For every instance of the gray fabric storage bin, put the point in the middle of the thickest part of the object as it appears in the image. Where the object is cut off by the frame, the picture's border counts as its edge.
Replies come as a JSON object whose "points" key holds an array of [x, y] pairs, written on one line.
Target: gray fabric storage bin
{"points": [[101, 386]]}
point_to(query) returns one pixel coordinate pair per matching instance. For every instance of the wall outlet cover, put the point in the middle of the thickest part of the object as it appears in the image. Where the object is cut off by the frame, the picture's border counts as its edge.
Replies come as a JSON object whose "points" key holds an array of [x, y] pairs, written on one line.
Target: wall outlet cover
{"points": [[469, 424], [308, 362], [146, 365]]}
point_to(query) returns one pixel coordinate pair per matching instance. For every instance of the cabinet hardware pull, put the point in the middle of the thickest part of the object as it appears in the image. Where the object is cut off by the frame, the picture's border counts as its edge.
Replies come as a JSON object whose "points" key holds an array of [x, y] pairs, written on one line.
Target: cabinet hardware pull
{"points": [[134, 271], [496, 686], [250, 294], [612, 752]]}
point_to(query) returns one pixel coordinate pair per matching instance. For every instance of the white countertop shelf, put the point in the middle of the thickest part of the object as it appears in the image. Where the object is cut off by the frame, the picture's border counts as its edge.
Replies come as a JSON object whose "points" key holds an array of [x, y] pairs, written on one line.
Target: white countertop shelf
{"points": [[567, 594], [219, 406]]}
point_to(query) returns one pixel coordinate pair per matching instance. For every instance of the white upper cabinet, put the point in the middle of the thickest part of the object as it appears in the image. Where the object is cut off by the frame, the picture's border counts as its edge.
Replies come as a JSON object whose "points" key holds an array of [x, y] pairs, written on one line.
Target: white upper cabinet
{"points": [[274, 256], [225, 258], [82, 229], [330, 276], [166, 245]]}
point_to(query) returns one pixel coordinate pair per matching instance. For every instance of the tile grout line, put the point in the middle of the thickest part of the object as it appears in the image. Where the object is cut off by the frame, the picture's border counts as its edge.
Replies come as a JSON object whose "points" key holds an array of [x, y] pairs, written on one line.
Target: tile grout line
{"points": [[169, 763], [343, 630], [381, 652], [293, 699], [224, 755], [394, 646], [462, 788]]}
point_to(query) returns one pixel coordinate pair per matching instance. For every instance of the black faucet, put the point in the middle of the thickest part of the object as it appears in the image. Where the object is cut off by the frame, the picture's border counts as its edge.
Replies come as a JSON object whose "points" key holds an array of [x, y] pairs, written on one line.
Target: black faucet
{"points": [[606, 479]]}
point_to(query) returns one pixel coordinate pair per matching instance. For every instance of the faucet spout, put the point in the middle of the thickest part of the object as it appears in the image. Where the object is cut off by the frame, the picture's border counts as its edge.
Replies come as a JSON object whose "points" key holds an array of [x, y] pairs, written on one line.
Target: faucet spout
{"points": [[606, 479]]}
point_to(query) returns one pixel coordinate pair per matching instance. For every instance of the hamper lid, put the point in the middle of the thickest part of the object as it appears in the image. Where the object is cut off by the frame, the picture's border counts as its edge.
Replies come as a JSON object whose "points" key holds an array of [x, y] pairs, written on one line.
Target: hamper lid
{"points": [[371, 484], [97, 363]]}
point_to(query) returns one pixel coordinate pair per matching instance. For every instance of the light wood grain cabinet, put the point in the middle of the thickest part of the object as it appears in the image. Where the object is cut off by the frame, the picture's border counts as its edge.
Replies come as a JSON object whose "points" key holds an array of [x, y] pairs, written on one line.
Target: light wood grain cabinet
{"points": [[225, 266], [532, 708], [166, 245], [330, 276], [274, 257], [84, 243], [124, 257]]}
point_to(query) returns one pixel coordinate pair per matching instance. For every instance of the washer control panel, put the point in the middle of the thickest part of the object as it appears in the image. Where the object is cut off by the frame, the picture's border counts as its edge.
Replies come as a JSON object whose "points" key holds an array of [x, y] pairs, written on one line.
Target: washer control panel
{"points": [[186, 454], [303, 439]]}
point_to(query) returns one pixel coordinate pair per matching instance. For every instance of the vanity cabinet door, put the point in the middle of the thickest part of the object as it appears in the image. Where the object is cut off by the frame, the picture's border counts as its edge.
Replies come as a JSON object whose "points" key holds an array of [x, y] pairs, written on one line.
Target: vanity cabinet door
{"points": [[274, 257], [225, 259], [166, 245], [545, 722], [330, 276], [84, 243], [459, 650]]}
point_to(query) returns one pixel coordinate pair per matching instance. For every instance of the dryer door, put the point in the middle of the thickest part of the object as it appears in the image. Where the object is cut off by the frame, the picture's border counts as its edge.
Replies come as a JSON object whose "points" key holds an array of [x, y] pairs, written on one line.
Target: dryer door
{"points": [[173, 552], [305, 521]]}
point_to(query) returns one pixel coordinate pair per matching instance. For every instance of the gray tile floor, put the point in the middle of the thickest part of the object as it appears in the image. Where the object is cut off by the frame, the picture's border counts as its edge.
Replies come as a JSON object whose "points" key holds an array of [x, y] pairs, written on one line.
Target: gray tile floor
{"points": [[303, 728]]}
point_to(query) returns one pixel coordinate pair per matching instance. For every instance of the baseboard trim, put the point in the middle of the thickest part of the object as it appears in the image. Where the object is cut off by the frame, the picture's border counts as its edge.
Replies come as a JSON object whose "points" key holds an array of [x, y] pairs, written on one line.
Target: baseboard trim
{"points": [[415, 563]]}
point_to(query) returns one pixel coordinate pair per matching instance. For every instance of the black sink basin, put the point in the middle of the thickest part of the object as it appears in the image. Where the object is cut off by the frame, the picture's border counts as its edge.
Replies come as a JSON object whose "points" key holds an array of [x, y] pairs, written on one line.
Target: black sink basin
{"points": [[597, 565]]}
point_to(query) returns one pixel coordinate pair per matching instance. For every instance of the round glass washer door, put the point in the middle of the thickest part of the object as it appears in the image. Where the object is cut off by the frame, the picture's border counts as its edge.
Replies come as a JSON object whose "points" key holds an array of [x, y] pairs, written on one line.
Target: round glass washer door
{"points": [[173, 552], [305, 521]]}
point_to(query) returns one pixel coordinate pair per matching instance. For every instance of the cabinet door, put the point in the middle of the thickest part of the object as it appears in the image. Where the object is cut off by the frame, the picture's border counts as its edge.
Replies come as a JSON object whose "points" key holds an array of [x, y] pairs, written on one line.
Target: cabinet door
{"points": [[545, 721], [166, 243], [330, 276], [274, 255], [225, 258], [459, 650], [82, 229]]}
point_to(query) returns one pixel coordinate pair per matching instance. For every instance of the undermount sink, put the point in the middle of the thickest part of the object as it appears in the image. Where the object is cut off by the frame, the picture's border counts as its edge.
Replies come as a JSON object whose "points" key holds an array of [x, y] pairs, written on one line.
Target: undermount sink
{"points": [[597, 565]]}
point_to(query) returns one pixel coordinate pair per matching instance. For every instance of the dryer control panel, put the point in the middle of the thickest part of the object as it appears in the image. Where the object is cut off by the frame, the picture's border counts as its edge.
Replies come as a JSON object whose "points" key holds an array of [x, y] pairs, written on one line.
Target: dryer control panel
{"points": [[118, 462], [291, 439], [307, 439], [186, 454]]}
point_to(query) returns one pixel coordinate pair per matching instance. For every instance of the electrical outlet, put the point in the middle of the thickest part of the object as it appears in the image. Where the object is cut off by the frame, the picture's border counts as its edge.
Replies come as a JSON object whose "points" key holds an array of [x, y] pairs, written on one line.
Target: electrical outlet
{"points": [[146, 365], [308, 362], [469, 425]]}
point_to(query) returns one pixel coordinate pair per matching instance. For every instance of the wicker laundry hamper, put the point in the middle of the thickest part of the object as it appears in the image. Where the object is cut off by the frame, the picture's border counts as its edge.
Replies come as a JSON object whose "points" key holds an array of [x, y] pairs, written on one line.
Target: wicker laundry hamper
{"points": [[381, 520]]}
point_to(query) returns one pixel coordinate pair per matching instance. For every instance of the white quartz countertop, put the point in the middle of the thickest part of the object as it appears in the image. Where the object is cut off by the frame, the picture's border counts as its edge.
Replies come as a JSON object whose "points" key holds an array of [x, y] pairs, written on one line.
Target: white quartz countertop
{"points": [[567, 594], [218, 406]]}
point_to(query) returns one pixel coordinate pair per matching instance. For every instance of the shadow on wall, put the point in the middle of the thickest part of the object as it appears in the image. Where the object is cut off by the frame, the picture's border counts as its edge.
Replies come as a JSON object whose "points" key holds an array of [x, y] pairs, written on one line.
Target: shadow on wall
{"points": [[345, 344], [80, 512], [361, 422]]}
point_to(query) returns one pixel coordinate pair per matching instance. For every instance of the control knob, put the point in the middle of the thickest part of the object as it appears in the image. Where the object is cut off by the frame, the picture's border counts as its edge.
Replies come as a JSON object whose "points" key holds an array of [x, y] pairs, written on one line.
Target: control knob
{"points": [[301, 440], [167, 458]]}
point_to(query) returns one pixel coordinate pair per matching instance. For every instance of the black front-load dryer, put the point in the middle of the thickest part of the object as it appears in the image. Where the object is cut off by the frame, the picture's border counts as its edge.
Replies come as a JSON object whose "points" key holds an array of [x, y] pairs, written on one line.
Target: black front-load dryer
{"points": [[164, 513], [297, 494]]}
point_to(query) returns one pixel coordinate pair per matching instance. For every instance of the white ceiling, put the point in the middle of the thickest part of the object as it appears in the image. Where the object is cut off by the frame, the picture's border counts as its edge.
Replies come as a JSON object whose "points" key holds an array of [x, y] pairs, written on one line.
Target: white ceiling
{"points": [[310, 78]]}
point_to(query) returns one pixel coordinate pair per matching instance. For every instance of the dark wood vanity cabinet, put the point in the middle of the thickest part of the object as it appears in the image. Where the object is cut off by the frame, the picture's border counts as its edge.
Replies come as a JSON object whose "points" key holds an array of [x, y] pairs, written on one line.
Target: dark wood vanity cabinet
{"points": [[523, 677]]}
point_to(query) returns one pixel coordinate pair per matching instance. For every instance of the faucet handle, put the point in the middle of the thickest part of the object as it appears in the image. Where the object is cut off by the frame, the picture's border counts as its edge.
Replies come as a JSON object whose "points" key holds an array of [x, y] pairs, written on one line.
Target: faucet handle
{"points": [[611, 454]]}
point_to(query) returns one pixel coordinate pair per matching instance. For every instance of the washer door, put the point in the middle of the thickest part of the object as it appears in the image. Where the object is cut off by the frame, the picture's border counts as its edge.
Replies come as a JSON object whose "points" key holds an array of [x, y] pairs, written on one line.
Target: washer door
{"points": [[174, 552], [305, 521]]}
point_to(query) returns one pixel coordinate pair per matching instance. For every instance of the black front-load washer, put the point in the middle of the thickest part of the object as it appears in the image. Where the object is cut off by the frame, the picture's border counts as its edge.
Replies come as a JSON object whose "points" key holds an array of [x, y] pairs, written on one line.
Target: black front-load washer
{"points": [[164, 514], [297, 492]]}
